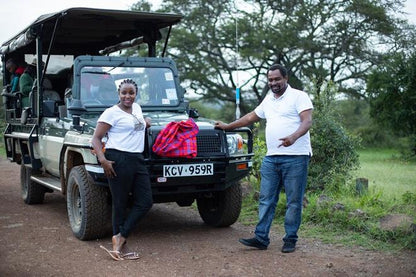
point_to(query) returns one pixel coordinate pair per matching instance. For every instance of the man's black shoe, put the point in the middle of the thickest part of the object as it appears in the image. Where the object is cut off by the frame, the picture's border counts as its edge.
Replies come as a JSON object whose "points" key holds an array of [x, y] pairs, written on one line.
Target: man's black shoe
{"points": [[289, 247], [253, 242]]}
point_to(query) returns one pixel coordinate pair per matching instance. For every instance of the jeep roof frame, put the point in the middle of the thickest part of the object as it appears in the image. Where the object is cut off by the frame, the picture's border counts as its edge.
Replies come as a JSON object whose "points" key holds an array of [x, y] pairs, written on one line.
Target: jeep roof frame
{"points": [[80, 31]]}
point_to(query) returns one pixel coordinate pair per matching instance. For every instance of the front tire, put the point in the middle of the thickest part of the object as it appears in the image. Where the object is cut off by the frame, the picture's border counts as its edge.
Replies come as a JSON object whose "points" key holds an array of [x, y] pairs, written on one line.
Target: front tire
{"points": [[222, 208], [32, 192], [88, 208]]}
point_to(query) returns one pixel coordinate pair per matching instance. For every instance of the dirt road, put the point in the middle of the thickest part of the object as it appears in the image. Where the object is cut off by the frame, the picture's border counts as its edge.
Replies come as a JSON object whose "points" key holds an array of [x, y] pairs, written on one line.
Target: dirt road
{"points": [[37, 241]]}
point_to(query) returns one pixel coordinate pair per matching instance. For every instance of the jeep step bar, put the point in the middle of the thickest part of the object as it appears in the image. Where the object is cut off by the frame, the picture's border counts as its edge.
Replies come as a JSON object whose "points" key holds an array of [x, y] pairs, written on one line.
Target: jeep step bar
{"points": [[49, 182], [25, 141]]}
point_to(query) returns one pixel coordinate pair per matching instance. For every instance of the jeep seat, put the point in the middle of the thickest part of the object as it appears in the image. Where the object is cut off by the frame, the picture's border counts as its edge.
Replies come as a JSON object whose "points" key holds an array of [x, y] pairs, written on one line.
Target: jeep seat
{"points": [[48, 92]]}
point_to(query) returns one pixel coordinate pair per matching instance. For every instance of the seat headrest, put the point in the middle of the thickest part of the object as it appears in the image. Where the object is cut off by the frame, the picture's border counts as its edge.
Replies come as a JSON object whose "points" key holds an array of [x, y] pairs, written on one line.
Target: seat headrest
{"points": [[47, 84]]}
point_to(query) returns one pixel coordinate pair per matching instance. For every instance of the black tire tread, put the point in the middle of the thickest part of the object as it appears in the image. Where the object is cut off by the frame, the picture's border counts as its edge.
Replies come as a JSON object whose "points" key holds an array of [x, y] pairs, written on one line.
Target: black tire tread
{"points": [[227, 210], [95, 210], [35, 192]]}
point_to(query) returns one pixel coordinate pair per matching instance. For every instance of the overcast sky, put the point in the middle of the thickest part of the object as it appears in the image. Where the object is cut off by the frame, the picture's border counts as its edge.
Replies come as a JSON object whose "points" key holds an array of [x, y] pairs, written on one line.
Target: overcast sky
{"points": [[16, 15]]}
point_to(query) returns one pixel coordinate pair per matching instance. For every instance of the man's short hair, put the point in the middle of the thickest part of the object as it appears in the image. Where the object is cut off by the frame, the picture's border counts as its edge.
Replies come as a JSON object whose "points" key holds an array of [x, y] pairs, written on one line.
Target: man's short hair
{"points": [[10, 62], [279, 67]]}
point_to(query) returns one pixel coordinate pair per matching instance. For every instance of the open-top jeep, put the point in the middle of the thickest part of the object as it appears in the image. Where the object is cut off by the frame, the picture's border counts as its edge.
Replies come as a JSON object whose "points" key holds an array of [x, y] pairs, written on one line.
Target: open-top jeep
{"points": [[51, 138]]}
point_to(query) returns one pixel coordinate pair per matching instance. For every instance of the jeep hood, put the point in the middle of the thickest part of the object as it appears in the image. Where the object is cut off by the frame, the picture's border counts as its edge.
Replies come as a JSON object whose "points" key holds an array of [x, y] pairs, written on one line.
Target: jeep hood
{"points": [[161, 119]]}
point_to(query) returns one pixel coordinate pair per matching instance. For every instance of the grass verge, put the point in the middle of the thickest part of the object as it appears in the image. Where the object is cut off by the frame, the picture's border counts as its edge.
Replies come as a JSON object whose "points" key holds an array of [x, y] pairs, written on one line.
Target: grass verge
{"points": [[353, 219]]}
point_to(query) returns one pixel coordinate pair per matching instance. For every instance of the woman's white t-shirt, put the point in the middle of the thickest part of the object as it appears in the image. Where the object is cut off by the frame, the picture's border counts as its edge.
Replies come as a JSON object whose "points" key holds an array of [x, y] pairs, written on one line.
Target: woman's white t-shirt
{"points": [[127, 130], [282, 119]]}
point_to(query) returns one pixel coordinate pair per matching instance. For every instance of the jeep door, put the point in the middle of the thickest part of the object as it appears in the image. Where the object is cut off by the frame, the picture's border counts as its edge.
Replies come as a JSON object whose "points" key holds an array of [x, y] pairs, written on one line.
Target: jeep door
{"points": [[51, 138]]}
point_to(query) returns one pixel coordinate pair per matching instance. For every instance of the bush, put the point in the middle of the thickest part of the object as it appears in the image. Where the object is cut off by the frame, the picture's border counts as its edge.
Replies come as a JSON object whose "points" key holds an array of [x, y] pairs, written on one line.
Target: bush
{"points": [[334, 154], [354, 115], [259, 149], [334, 149], [407, 147]]}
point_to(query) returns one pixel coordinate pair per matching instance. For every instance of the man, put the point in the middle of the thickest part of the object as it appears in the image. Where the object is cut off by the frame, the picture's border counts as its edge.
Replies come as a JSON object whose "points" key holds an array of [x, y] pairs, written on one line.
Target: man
{"points": [[15, 71], [288, 114], [26, 82]]}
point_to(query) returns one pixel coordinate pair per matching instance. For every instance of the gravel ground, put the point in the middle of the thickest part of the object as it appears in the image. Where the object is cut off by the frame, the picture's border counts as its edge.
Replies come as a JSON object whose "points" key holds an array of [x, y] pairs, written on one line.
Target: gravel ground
{"points": [[172, 241]]}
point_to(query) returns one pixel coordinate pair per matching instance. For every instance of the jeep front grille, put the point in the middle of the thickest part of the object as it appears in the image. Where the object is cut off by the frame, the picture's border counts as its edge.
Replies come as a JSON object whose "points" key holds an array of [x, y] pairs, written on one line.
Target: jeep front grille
{"points": [[208, 143]]}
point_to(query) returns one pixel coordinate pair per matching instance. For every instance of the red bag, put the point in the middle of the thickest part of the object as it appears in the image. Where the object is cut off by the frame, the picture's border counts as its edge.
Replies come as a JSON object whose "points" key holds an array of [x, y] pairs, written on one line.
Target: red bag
{"points": [[177, 139]]}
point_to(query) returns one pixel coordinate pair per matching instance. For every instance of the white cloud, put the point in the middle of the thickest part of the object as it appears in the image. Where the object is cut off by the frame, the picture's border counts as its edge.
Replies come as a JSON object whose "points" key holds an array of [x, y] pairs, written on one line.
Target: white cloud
{"points": [[410, 9], [16, 15]]}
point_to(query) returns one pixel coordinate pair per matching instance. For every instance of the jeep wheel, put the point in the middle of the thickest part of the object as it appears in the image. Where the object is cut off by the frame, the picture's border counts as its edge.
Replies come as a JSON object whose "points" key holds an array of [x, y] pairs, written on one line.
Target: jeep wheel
{"points": [[87, 206], [32, 193], [222, 208]]}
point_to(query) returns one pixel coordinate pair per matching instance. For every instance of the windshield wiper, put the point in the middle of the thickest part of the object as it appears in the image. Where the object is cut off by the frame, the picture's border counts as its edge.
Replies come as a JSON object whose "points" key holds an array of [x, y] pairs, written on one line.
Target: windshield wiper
{"points": [[121, 64]]}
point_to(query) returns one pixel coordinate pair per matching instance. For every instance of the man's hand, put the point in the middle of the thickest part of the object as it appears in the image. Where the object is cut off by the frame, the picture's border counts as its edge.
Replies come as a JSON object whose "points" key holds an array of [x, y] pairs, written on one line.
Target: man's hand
{"points": [[287, 141], [306, 122], [220, 125], [246, 120]]}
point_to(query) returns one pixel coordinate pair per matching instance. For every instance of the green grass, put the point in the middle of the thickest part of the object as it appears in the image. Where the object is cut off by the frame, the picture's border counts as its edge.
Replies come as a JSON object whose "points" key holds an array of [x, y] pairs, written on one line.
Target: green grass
{"points": [[2, 149], [386, 172]]}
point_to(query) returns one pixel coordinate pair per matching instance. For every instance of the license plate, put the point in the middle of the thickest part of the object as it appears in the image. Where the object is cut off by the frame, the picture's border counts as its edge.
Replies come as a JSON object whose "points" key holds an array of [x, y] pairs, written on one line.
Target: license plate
{"points": [[184, 170]]}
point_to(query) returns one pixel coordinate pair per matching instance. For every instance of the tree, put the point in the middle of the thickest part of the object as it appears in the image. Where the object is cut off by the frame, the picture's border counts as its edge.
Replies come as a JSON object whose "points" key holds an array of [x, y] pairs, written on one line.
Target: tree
{"points": [[392, 88], [320, 40]]}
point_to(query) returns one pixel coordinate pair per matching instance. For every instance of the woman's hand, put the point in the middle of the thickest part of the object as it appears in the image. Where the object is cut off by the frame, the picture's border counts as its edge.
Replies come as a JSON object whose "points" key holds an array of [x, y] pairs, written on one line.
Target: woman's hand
{"points": [[148, 121], [108, 168]]}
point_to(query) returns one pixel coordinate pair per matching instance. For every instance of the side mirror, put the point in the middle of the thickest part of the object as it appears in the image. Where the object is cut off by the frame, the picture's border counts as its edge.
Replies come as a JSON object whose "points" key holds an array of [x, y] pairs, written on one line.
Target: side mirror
{"points": [[76, 107], [193, 113], [75, 110]]}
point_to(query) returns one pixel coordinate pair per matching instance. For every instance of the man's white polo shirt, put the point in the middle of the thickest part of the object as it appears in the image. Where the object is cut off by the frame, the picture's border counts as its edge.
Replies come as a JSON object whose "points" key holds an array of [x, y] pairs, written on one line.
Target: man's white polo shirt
{"points": [[282, 119]]}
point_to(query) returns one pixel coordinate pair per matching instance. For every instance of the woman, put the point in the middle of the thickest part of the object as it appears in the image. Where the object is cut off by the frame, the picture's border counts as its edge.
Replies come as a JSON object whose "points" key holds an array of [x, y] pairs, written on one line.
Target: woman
{"points": [[123, 164]]}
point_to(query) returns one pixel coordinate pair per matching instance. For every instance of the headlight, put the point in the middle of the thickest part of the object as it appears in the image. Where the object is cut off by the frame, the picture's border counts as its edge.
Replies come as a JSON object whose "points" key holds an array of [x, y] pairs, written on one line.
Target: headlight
{"points": [[235, 144]]}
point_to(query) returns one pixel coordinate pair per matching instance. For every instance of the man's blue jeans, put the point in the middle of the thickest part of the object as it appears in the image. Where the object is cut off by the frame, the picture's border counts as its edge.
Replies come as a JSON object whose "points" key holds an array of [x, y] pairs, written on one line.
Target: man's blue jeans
{"points": [[280, 171]]}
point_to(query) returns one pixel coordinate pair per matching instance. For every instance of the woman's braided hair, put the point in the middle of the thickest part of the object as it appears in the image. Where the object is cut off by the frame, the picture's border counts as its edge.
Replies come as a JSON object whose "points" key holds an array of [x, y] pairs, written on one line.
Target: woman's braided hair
{"points": [[128, 81]]}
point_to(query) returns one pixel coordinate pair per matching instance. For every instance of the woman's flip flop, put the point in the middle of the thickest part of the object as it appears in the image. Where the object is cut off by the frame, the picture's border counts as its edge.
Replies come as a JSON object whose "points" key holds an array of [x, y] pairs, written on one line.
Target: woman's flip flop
{"points": [[130, 256], [116, 255]]}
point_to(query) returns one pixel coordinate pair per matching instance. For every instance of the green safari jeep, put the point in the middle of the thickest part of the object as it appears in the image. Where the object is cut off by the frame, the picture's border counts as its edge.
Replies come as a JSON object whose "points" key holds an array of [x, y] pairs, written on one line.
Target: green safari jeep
{"points": [[51, 138]]}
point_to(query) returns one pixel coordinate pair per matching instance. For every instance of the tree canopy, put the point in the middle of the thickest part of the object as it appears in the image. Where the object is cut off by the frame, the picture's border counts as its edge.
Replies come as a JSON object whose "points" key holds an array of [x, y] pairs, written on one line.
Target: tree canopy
{"points": [[317, 40], [392, 87]]}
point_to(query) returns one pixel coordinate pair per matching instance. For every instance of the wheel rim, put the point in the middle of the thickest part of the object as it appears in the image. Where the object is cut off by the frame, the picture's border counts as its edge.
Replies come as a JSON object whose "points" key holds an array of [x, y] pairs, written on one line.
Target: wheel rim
{"points": [[76, 206]]}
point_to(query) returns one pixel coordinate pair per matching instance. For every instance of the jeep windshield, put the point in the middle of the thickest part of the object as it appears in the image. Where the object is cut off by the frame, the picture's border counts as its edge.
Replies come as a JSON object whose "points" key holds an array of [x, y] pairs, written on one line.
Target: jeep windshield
{"points": [[99, 86]]}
